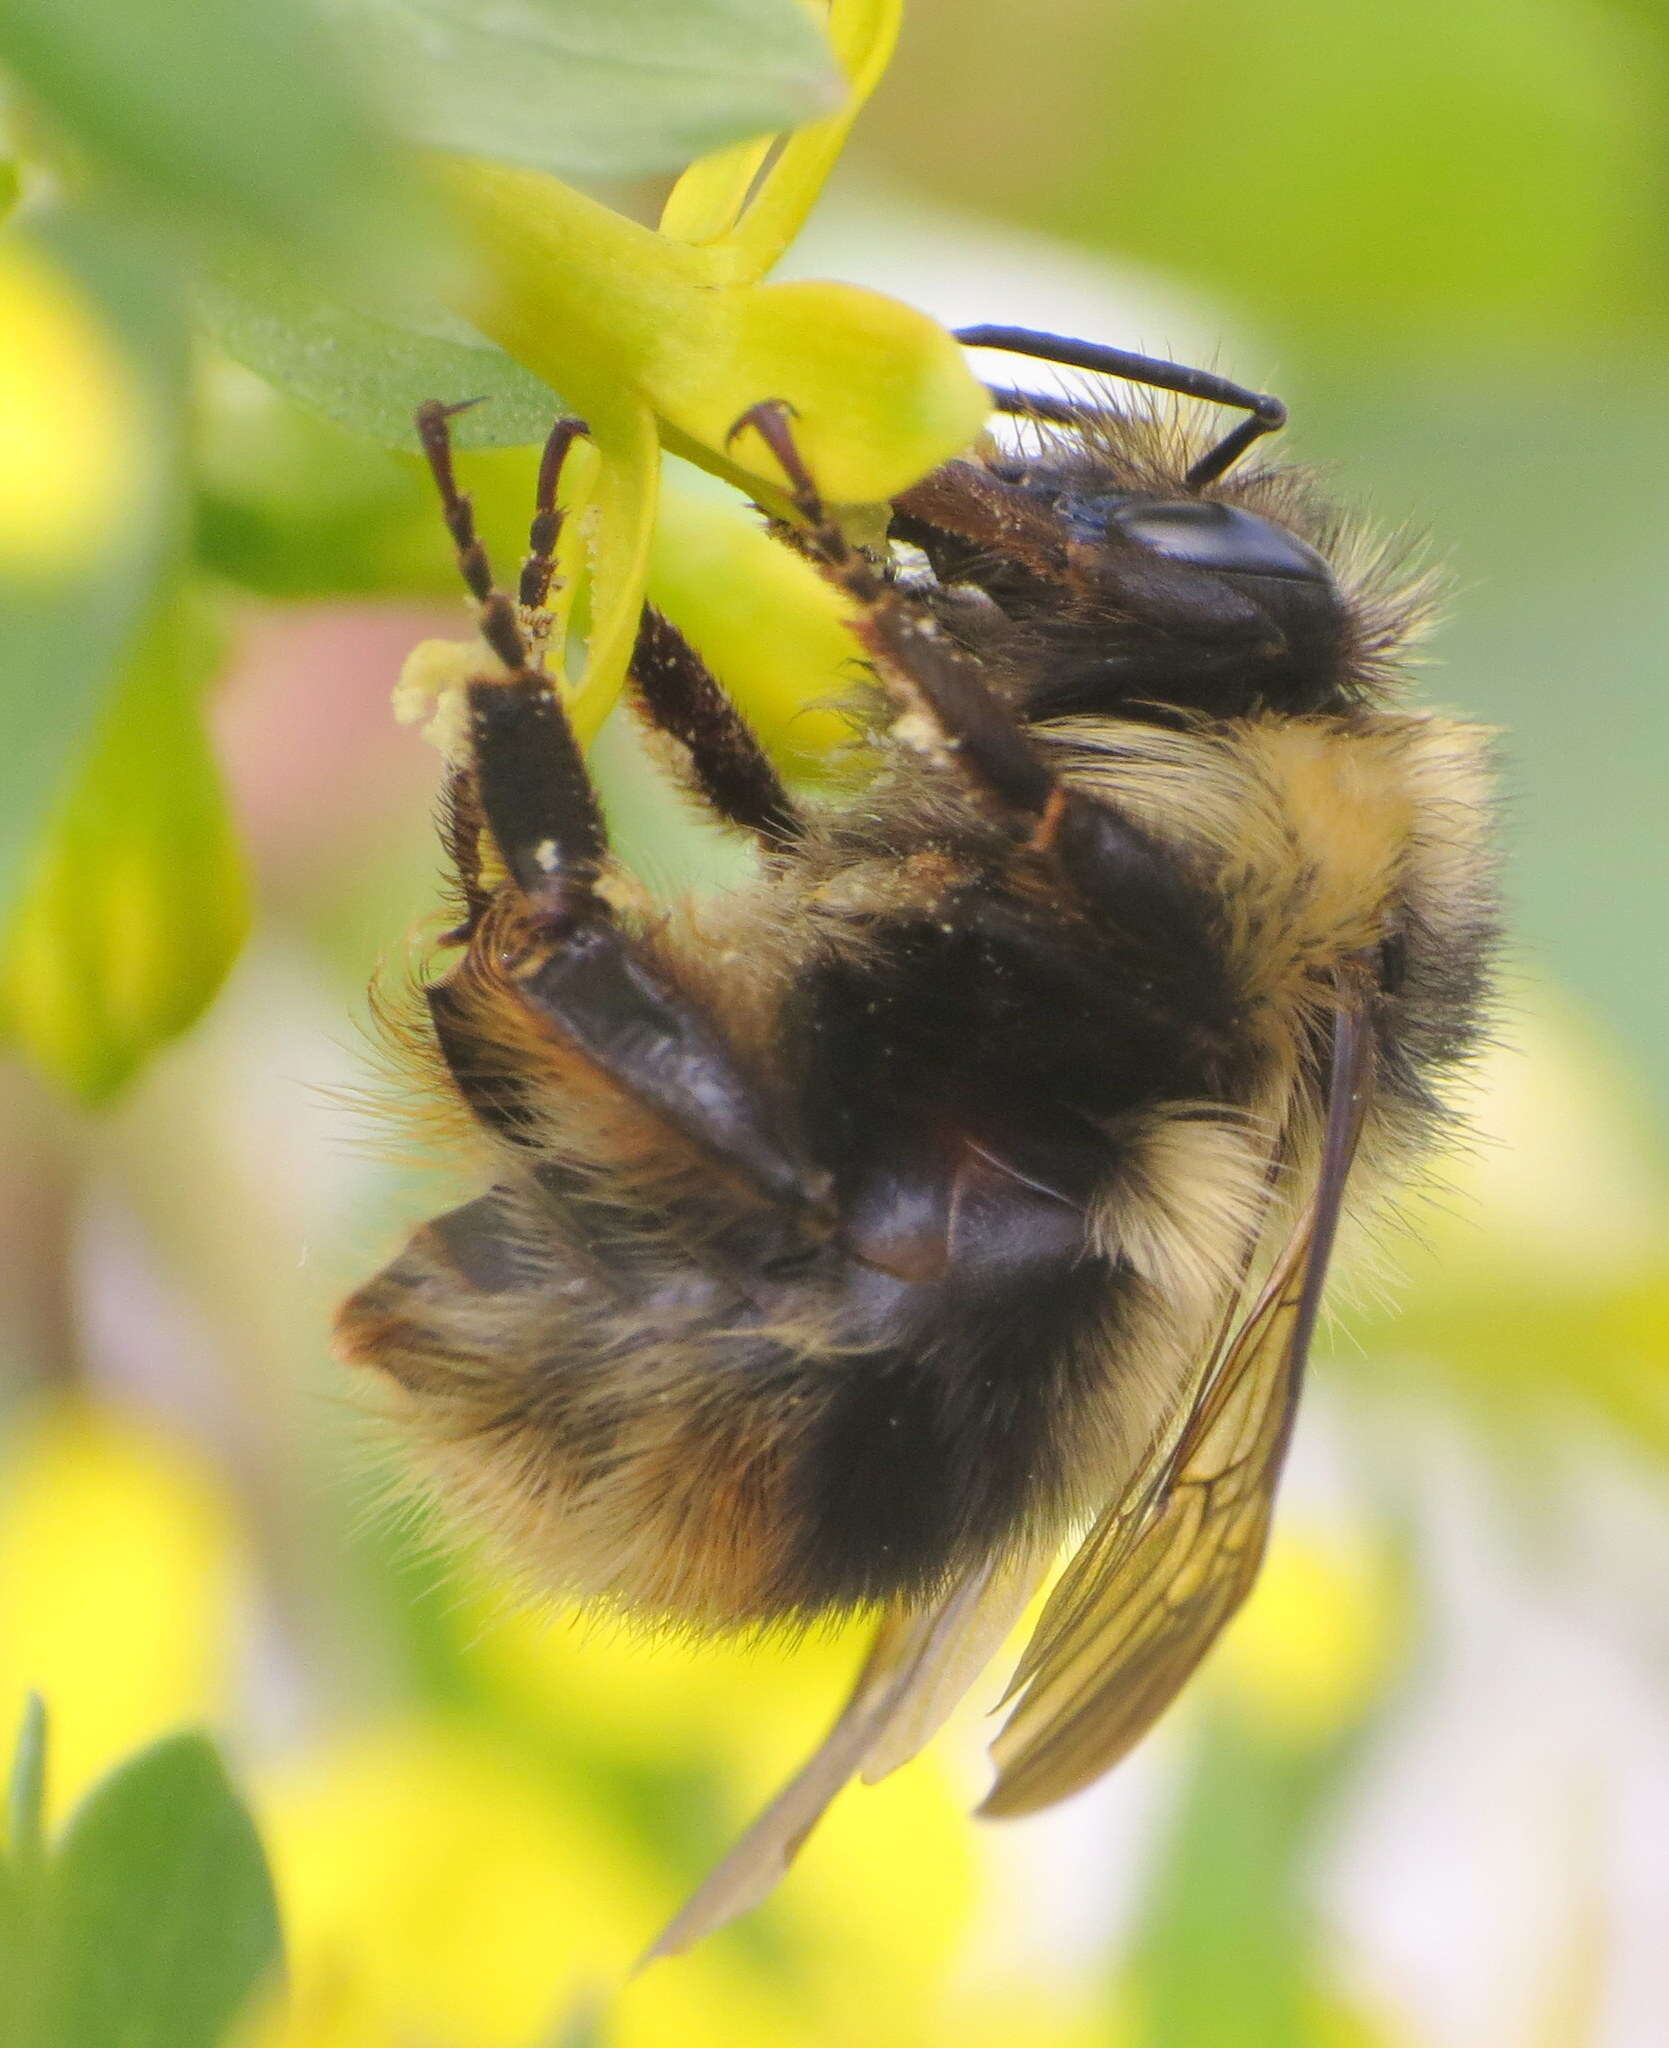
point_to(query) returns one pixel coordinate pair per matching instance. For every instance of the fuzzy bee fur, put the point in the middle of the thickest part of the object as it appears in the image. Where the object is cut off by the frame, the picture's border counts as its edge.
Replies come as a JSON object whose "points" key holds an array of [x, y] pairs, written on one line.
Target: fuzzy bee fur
{"points": [[967, 1181]]}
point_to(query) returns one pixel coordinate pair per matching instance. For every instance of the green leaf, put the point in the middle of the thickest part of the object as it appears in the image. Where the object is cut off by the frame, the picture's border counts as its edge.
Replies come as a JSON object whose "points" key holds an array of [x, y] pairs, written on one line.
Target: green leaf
{"points": [[371, 373], [97, 340], [22, 1985], [20, 1981], [138, 904], [236, 124], [591, 88], [164, 1921], [26, 1792]]}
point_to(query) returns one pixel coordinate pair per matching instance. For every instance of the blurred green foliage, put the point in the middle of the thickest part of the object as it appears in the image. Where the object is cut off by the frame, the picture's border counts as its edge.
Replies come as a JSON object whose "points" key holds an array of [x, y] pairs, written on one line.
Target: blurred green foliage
{"points": [[151, 1921], [222, 126], [1368, 182], [98, 508]]}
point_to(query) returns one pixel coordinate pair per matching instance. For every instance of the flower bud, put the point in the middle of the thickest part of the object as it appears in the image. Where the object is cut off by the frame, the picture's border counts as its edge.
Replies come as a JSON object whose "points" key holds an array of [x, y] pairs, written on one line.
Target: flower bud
{"points": [[137, 902]]}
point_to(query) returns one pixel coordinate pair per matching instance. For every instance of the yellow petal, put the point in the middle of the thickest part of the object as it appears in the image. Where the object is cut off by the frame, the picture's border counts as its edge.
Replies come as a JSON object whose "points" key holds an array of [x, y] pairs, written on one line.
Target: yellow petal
{"points": [[767, 625], [619, 530], [715, 202], [600, 307], [880, 394], [863, 33], [707, 200]]}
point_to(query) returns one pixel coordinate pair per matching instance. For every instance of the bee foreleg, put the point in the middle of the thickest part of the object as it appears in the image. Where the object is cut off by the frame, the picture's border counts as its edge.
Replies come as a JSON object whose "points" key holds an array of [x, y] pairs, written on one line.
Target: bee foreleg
{"points": [[1141, 888], [949, 710], [964, 501], [1104, 856]]}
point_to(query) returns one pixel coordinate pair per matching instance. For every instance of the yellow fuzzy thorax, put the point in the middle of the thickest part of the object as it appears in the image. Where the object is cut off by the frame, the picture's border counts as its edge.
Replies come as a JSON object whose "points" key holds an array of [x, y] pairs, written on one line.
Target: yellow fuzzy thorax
{"points": [[1319, 832]]}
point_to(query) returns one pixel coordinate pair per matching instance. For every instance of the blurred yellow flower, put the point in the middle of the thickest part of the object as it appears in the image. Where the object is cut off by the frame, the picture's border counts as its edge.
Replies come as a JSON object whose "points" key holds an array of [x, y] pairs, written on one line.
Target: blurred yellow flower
{"points": [[878, 1903], [137, 900], [71, 437], [1318, 1637], [122, 1576], [1035, 2015], [438, 1891]]}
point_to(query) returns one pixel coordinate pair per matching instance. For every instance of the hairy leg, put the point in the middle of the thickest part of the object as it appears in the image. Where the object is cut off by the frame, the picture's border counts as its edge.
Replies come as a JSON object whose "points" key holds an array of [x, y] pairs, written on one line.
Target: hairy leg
{"points": [[679, 695], [559, 950]]}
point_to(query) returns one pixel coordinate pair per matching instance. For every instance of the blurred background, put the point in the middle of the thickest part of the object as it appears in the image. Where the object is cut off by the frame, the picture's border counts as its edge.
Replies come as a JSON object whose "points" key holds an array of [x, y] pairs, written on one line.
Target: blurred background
{"points": [[1421, 1798]]}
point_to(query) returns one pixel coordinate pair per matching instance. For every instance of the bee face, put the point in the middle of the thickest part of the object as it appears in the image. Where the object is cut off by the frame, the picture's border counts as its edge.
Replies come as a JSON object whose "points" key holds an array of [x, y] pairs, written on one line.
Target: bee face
{"points": [[1214, 603], [971, 1176]]}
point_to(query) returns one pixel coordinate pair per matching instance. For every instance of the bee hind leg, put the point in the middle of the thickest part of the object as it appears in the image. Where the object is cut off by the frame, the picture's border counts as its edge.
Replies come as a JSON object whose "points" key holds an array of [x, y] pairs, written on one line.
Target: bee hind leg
{"points": [[562, 953]]}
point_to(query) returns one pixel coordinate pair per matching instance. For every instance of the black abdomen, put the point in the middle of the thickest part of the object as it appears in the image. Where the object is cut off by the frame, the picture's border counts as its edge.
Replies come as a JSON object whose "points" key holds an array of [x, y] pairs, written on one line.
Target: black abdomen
{"points": [[953, 1435], [962, 1084]]}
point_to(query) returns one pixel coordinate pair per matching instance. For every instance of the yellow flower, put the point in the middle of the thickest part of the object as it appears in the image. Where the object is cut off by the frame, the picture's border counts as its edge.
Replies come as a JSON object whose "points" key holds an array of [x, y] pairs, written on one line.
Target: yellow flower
{"points": [[1317, 1638], [121, 1577], [437, 1891], [665, 338], [71, 438]]}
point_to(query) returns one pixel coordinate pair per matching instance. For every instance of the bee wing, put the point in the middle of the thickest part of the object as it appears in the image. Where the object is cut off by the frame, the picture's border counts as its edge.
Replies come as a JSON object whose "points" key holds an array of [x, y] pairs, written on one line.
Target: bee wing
{"points": [[1160, 1574], [918, 1667], [958, 1660]]}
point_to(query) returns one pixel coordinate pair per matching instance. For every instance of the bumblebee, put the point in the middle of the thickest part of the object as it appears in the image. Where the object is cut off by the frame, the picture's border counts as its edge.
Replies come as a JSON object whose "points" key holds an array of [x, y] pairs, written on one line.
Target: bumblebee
{"points": [[968, 1181]]}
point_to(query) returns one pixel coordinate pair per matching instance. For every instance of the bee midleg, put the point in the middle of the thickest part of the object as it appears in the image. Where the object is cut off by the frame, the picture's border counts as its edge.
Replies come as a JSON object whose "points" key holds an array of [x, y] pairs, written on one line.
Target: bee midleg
{"points": [[678, 693]]}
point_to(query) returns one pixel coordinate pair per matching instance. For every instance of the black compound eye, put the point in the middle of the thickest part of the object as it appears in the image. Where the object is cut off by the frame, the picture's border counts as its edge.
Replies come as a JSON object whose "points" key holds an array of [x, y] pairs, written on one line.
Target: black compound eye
{"points": [[1215, 536]]}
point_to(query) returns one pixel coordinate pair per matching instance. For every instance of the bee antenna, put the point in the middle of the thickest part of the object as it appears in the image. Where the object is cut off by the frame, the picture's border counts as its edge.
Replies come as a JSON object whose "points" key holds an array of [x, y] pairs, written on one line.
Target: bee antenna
{"points": [[1267, 414]]}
